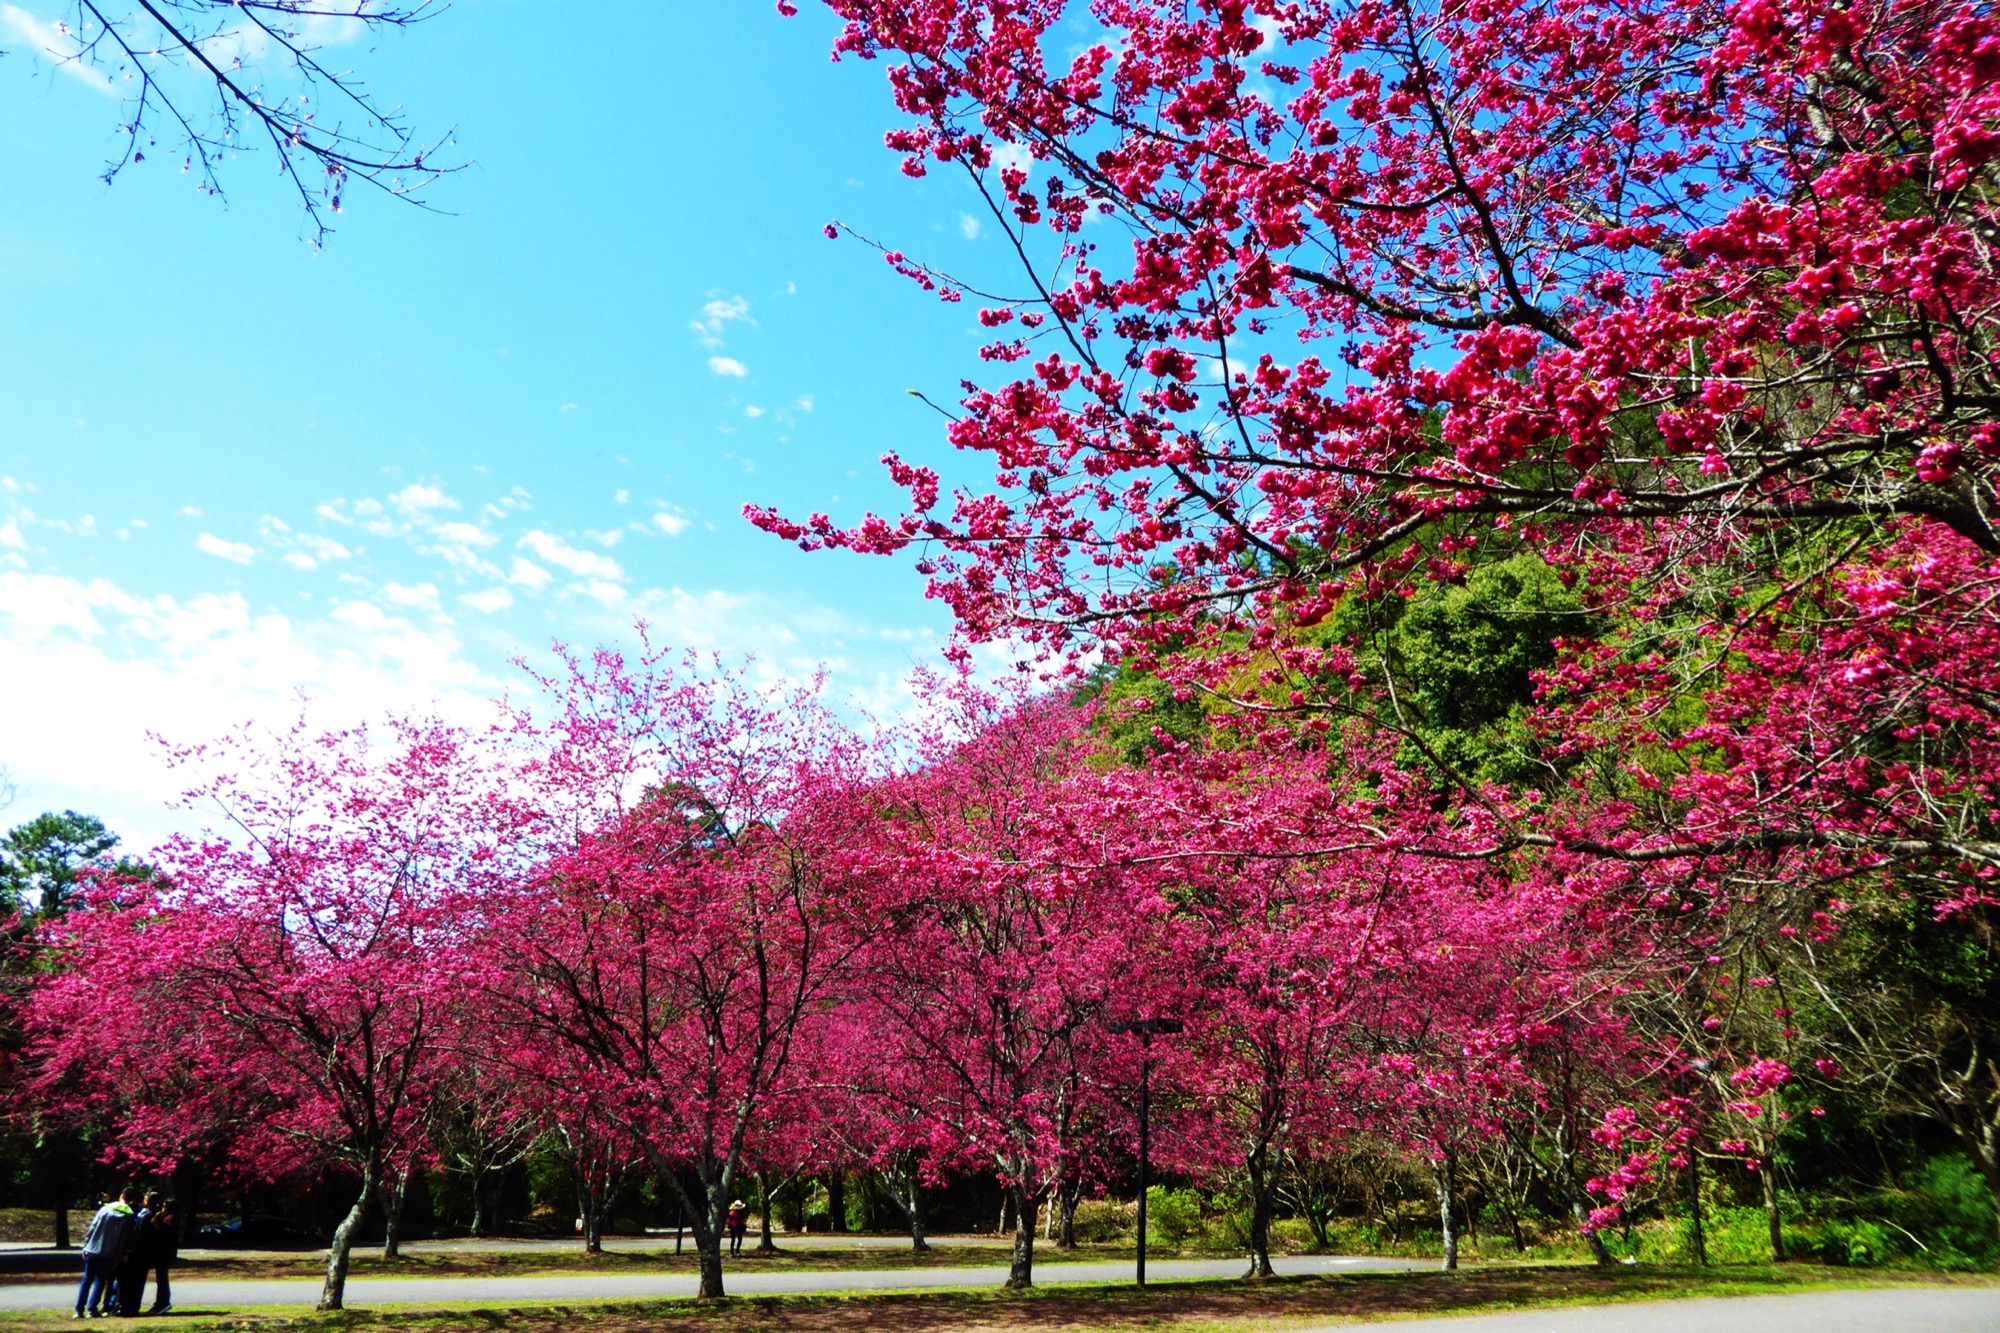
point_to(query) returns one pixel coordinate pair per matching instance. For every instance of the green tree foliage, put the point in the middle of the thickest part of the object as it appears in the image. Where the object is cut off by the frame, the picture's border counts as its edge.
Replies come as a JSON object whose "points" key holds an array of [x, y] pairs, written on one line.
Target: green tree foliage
{"points": [[41, 859], [1459, 662], [1139, 708]]}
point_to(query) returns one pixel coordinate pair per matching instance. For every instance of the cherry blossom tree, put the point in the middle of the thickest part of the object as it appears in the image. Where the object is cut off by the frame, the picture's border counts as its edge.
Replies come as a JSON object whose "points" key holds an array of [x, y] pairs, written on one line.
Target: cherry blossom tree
{"points": [[687, 926], [1006, 954], [298, 964]]}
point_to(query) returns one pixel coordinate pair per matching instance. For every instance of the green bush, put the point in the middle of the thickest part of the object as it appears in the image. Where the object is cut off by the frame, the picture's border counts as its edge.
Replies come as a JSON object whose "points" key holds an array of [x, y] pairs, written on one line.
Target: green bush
{"points": [[1102, 1220], [1944, 1214], [1292, 1235], [1736, 1235], [1171, 1215], [1856, 1244]]}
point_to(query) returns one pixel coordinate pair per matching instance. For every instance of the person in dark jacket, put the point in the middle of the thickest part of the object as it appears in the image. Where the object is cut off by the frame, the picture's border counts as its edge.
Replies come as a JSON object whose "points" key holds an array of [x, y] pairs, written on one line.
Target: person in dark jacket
{"points": [[163, 1246], [104, 1246], [736, 1222], [141, 1256]]}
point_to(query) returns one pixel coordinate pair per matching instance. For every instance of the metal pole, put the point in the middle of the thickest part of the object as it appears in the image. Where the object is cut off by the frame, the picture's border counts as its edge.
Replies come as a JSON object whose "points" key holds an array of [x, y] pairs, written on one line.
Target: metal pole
{"points": [[1145, 1141], [1694, 1202], [1690, 1081]]}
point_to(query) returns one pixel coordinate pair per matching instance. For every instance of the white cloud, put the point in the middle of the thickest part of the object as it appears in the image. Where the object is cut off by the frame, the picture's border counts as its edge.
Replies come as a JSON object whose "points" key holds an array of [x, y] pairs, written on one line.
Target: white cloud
{"points": [[55, 40], [110, 667], [489, 602], [417, 500], [323, 548], [753, 412], [367, 508], [608, 537], [300, 560], [729, 366], [528, 574], [417, 597], [671, 524], [189, 511], [968, 226], [466, 534], [331, 513], [805, 403], [584, 564], [609, 594], [10, 536], [621, 497], [718, 313], [237, 553], [1013, 155]]}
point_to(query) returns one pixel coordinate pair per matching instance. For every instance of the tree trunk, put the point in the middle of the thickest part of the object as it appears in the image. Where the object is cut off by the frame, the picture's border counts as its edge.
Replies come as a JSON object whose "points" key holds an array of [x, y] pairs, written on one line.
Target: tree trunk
{"points": [[1441, 1173], [1767, 1171], [334, 1293], [60, 1151], [708, 1254], [479, 1219], [912, 1199], [1590, 1236], [1021, 1273], [765, 1245], [836, 1202], [706, 1214], [393, 1196], [187, 1200], [1257, 1167], [1068, 1199], [1007, 1213], [596, 1193]]}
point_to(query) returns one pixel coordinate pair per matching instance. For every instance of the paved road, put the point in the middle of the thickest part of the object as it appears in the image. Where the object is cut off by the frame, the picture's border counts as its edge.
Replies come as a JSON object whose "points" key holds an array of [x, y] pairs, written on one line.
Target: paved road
{"points": [[1906, 1310], [196, 1296]]}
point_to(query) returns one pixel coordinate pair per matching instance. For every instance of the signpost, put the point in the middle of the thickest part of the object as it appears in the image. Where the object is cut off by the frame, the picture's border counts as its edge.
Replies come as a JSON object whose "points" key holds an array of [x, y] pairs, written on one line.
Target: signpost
{"points": [[1147, 1029]]}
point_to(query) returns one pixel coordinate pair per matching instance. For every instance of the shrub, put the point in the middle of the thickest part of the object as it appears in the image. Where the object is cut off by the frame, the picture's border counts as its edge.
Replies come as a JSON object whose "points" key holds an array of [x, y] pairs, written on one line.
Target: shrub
{"points": [[1171, 1215], [1858, 1244], [1293, 1235], [1102, 1220], [1944, 1212]]}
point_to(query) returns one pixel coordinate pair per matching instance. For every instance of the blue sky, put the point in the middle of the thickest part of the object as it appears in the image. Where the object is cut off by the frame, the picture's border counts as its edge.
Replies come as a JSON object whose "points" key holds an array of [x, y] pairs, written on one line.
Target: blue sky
{"points": [[233, 468]]}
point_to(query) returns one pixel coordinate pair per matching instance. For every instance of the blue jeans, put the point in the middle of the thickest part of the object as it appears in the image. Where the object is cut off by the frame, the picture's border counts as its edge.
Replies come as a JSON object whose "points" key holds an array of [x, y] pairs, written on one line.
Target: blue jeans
{"points": [[97, 1273]]}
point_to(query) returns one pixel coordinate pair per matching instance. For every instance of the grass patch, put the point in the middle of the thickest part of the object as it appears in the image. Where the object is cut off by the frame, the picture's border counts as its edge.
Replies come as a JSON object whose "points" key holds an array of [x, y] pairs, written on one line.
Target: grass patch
{"points": [[1184, 1307]]}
